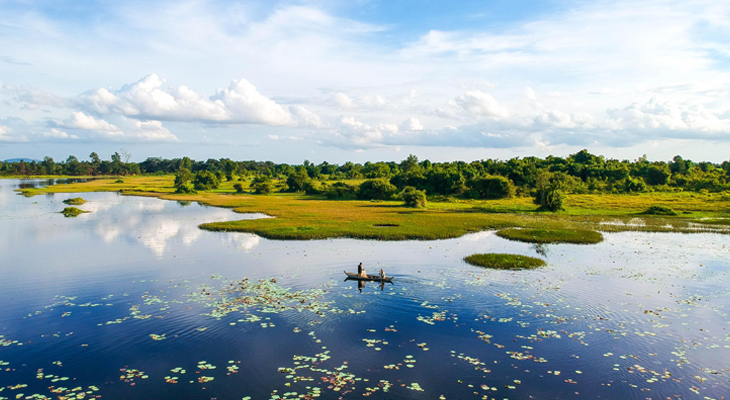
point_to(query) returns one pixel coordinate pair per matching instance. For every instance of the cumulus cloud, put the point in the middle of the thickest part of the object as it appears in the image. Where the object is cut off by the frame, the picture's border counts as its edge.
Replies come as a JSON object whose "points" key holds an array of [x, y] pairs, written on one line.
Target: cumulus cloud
{"points": [[79, 120], [239, 103], [671, 118], [148, 130], [410, 125], [481, 104], [57, 134], [354, 133]]}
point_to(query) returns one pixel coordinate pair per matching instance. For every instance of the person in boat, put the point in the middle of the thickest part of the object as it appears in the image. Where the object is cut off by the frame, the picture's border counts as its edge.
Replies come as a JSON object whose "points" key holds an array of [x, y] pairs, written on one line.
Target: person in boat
{"points": [[361, 271], [382, 274]]}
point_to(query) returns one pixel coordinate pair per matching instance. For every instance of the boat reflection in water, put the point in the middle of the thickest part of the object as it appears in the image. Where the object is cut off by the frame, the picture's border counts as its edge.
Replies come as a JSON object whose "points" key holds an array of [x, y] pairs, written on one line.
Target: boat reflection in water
{"points": [[361, 283]]}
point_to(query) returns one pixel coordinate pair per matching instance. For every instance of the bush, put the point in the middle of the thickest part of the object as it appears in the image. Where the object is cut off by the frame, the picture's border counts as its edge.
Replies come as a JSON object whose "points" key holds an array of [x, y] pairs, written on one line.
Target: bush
{"points": [[238, 187], [552, 201], [298, 182], [339, 190], [635, 185], [119, 181], [492, 187], [262, 185], [183, 177], [186, 189], [659, 210], [205, 180], [376, 189], [413, 197]]}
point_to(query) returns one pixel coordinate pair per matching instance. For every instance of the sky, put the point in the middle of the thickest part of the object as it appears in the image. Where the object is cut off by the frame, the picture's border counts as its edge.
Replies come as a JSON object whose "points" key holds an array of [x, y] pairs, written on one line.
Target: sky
{"points": [[361, 80]]}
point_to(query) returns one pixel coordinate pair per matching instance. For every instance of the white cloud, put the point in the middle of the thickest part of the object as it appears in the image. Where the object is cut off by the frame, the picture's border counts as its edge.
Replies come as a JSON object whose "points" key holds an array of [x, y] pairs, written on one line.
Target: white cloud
{"points": [[79, 120], [411, 124], [670, 118], [4, 130], [57, 134], [239, 103], [481, 104], [148, 130], [354, 133]]}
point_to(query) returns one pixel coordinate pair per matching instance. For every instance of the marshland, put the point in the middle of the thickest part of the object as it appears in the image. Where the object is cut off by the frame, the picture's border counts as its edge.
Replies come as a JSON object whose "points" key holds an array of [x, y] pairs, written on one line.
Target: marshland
{"points": [[209, 284]]}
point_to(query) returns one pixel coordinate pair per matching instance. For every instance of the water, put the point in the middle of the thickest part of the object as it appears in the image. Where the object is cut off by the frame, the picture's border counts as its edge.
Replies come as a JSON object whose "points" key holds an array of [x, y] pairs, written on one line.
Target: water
{"points": [[117, 302]]}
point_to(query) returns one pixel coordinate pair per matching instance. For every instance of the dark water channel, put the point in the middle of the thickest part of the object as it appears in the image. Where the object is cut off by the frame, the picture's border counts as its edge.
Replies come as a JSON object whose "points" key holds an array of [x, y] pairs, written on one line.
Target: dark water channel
{"points": [[132, 300]]}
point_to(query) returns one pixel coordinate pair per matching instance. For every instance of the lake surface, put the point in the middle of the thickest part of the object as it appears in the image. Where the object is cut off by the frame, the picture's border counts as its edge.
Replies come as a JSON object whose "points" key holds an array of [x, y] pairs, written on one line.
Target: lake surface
{"points": [[132, 300]]}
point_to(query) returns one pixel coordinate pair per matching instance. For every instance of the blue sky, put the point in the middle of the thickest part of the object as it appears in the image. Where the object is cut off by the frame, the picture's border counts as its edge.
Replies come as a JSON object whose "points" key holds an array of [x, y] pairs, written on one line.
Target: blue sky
{"points": [[365, 80]]}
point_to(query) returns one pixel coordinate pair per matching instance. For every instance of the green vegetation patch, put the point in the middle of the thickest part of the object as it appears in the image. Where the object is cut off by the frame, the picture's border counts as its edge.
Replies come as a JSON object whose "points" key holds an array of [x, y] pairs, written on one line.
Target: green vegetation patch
{"points": [[575, 236], [70, 212], [715, 221], [659, 210], [76, 201], [504, 261]]}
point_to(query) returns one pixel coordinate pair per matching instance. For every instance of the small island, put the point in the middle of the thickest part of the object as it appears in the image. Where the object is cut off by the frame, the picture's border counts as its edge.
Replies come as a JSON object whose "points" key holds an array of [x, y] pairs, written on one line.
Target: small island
{"points": [[504, 261]]}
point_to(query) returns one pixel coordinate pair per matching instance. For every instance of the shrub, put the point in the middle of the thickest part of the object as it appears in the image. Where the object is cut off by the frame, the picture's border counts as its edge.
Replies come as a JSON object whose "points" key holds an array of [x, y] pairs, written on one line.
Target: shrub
{"points": [[262, 185], [378, 189], [186, 189], [298, 182], [635, 185], [659, 210], [413, 197], [554, 200], [492, 187], [183, 177], [238, 187], [339, 190], [551, 199], [119, 181], [205, 180]]}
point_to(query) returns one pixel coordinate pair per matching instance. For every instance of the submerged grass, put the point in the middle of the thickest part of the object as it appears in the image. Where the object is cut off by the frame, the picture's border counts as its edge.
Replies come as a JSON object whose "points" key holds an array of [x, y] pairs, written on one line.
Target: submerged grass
{"points": [[76, 201], [575, 236], [504, 261], [300, 217]]}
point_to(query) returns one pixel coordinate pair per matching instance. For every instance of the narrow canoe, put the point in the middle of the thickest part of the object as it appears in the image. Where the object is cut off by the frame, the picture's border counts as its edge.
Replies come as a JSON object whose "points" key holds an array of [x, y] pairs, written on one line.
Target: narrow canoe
{"points": [[376, 278]]}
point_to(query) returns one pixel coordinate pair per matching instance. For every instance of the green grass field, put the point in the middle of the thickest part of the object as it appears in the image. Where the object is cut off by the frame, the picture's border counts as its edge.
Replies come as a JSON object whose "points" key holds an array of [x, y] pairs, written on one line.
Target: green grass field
{"points": [[303, 217]]}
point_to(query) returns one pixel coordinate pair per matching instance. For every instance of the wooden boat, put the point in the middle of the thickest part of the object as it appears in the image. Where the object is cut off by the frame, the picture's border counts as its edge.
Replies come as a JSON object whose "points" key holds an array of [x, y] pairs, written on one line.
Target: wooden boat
{"points": [[376, 278]]}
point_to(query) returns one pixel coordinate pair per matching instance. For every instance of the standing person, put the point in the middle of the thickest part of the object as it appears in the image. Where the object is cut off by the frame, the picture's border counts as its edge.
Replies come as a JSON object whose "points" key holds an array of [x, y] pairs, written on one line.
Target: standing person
{"points": [[361, 271]]}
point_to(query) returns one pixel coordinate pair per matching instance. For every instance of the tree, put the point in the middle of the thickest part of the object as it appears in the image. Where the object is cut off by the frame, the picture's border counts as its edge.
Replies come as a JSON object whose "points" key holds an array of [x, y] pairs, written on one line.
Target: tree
{"points": [[658, 174], [554, 200], [183, 177], [205, 180], [376, 189], [298, 181], [262, 185], [49, 165], [413, 197], [492, 187]]}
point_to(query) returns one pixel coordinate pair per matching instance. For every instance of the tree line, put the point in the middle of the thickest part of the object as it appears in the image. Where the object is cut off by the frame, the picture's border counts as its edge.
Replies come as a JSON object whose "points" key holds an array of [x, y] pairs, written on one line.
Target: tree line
{"points": [[546, 179]]}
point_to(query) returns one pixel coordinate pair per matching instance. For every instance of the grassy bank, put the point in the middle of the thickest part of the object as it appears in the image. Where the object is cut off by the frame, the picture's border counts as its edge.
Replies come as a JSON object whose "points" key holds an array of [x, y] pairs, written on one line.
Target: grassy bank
{"points": [[504, 261], [313, 217], [575, 236]]}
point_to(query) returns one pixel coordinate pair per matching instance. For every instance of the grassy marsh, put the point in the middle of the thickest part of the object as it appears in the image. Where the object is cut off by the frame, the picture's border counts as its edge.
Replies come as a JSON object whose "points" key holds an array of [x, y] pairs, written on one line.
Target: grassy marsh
{"points": [[76, 201], [574, 236], [301, 217], [504, 261]]}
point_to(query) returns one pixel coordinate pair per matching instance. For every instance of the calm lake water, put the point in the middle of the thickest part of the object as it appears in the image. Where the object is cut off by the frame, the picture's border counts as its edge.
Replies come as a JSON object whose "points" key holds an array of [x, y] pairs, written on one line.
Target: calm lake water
{"points": [[132, 300]]}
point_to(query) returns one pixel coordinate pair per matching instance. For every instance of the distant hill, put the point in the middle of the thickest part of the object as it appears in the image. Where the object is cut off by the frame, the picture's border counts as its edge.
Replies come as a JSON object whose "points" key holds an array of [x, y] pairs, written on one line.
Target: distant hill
{"points": [[27, 160]]}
